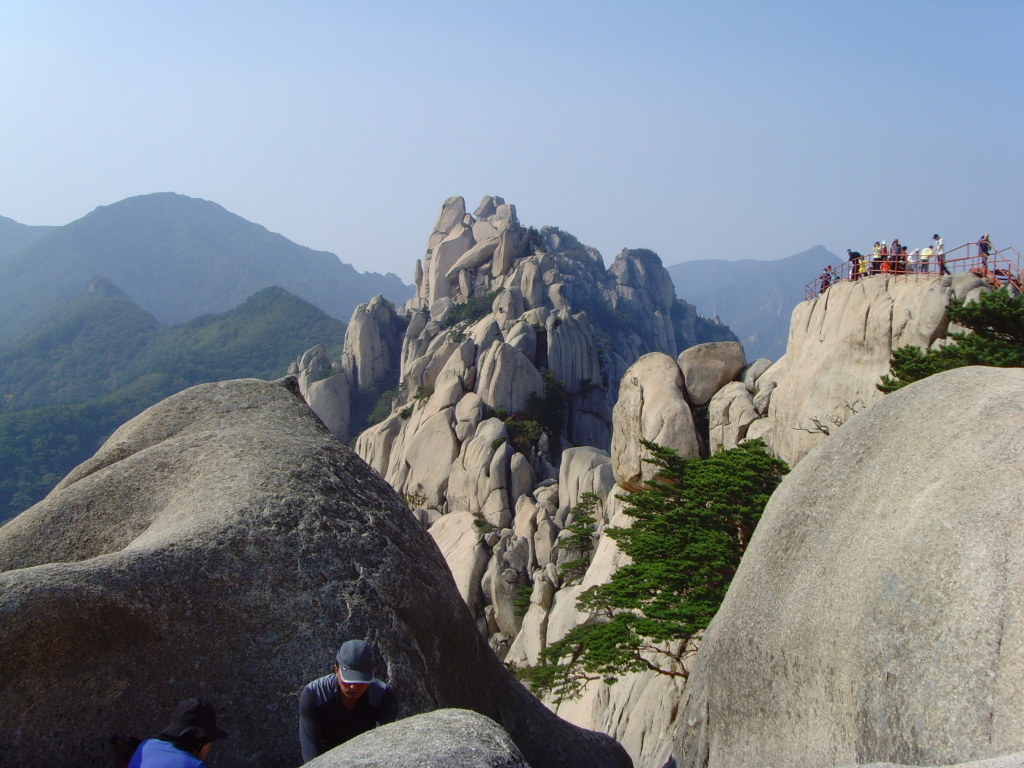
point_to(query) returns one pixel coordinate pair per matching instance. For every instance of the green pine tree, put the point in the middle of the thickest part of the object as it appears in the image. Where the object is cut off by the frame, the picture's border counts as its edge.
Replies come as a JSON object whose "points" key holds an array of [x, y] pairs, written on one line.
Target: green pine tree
{"points": [[580, 541], [996, 320], [689, 530]]}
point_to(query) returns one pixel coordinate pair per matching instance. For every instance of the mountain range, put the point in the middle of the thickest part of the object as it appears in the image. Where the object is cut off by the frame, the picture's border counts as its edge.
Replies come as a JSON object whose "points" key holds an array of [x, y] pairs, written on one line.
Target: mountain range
{"points": [[754, 298], [176, 257]]}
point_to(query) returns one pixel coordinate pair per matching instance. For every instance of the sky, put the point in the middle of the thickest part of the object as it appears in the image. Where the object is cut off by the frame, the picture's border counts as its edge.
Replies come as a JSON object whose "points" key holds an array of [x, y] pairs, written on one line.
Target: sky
{"points": [[729, 129]]}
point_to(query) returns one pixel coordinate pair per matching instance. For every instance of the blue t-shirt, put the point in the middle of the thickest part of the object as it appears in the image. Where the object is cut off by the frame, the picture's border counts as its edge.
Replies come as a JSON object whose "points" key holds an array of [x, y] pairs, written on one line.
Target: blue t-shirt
{"points": [[154, 753]]}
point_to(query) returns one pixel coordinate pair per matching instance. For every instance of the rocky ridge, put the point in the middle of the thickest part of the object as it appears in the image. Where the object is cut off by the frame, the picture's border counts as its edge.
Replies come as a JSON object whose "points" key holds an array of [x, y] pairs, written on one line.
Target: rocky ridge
{"points": [[514, 346]]}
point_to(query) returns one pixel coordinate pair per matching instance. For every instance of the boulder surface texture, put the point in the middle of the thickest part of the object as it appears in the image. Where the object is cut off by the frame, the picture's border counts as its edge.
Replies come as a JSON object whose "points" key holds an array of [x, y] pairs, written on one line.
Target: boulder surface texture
{"points": [[876, 615], [447, 738], [222, 544]]}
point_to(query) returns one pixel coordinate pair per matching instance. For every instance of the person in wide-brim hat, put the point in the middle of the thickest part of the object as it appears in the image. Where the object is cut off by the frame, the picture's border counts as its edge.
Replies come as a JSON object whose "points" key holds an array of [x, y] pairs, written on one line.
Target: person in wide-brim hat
{"points": [[184, 743]]}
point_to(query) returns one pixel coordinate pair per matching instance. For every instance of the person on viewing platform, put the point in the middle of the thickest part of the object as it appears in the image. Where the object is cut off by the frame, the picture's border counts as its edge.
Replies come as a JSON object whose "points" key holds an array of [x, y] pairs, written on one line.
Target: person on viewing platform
{"points": [[855, 260], [901, 260], [984, 249], [913, 260], [876, 258], [939, 252], [926, 254]]}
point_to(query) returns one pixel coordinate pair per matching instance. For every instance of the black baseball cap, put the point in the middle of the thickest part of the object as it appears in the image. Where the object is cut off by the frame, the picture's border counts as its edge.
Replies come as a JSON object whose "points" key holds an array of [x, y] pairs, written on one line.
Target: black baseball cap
{"points": [[356, 662]]}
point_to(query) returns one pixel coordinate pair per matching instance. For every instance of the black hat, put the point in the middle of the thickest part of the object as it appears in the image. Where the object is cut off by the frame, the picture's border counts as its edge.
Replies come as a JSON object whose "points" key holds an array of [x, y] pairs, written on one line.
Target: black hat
{"points": [[194, 717], [356, 662]]}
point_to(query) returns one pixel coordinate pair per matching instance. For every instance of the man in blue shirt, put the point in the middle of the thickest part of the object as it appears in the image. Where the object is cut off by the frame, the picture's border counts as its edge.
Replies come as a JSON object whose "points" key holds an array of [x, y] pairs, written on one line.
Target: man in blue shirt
{"points": [[345, 703]]}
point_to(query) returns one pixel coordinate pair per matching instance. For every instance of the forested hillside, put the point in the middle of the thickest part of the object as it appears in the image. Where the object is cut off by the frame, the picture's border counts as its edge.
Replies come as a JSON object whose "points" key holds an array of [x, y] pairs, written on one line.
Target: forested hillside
{"points": [[98, 360]]}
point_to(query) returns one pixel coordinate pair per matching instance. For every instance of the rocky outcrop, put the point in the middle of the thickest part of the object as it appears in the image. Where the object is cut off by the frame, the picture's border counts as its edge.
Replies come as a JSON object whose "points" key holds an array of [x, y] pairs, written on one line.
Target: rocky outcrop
{"points": [[373, 344], [651, 406], [330, 397], [874, 617], [447, 738], [839, 348], [222, 544], [497, 304], [513, 352]]}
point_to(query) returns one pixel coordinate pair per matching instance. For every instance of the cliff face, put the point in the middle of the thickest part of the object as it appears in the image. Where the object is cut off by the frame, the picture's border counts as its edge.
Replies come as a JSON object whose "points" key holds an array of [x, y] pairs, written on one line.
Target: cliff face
{"points": [[839, 348]]}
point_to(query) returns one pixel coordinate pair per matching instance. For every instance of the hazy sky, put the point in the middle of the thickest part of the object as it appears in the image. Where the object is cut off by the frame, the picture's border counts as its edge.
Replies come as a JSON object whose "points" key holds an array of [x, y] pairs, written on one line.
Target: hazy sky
{"points": [[697, 129]]}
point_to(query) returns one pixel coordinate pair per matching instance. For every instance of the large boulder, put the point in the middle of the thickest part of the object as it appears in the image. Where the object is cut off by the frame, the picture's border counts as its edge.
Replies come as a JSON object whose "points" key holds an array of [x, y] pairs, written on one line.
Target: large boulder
{"points": [[447, 738], [708, 367], [222, 544], [875, 616], [651, 406]]}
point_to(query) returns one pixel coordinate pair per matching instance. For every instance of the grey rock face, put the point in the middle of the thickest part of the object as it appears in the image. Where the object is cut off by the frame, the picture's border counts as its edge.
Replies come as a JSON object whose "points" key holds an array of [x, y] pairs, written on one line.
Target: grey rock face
{"points": [[222, 544], [875, 615], [447, 738]]}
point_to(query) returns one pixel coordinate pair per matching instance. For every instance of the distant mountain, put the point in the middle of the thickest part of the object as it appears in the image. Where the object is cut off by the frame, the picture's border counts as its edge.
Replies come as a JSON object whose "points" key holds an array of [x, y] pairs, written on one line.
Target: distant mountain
{"points": [[99, 360], [177, 258], [14, 236], [754, 298]]}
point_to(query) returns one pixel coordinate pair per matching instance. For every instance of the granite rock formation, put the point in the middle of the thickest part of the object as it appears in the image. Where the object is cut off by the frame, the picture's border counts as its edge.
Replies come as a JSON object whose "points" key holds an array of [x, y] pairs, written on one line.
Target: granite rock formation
{"points": [[875, 615], [839, 348], [447, 738], [222, 544]]}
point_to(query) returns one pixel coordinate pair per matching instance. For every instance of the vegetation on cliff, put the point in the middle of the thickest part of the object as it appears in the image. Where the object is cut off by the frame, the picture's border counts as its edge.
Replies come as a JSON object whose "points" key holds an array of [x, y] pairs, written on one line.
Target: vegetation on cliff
{"points": [[689, 530], [101, 360], [996, 338]]}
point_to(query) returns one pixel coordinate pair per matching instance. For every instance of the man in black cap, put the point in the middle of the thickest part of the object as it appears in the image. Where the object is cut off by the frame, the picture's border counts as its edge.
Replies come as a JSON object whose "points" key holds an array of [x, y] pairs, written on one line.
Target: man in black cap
{"points": [[185, 743], [345, 703]]}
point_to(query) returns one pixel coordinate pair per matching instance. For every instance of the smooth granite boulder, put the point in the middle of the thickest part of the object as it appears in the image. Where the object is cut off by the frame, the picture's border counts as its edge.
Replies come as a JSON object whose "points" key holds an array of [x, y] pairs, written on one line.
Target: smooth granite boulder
{"points": [[709, 367], [651, 406], [876, 615], [447, 738], [222, 544]]}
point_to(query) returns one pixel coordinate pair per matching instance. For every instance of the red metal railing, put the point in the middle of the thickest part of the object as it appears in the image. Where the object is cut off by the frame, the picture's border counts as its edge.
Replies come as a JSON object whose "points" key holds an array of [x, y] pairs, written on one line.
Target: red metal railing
{"points": [[999, 268]]}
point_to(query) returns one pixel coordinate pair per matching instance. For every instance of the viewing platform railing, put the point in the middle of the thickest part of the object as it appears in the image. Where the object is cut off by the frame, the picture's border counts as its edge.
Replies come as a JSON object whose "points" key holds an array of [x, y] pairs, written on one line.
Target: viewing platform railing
{"points": [[1001, 267]]}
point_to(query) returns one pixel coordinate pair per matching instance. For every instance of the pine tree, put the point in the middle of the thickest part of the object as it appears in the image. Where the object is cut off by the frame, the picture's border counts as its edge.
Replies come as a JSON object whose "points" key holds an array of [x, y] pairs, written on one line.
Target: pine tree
{"points": [[580, 541], [997, 322], [690, 528]]}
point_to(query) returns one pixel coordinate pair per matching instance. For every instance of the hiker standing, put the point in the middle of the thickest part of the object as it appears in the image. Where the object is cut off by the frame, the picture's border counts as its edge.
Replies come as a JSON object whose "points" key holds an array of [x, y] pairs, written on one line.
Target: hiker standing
{"points": [[939, 252], [984, 249]]}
